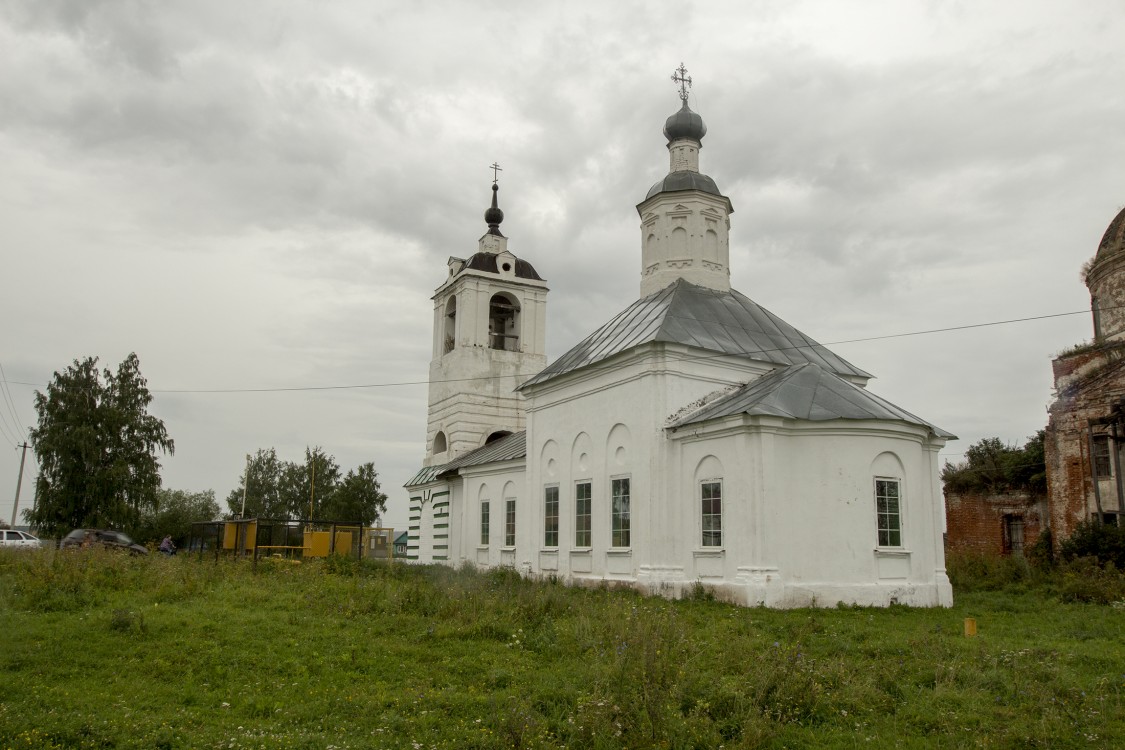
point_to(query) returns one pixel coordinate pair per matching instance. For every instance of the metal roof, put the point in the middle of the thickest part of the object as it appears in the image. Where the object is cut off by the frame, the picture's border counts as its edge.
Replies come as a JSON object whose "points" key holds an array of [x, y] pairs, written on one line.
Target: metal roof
{"points": [[426, 474], [487, 262], [683, 313], [507, 448], [674, 182], [806, 392]]}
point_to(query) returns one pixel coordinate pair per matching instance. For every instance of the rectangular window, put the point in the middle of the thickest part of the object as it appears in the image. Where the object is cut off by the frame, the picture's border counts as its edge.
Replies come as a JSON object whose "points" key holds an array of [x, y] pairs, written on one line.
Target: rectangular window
{"points": [[620, 495], [484, 522], [1013, 534], [551, 517], [510, 523], [712, 497], [1103, 466], [887, 507], [582, 494]]}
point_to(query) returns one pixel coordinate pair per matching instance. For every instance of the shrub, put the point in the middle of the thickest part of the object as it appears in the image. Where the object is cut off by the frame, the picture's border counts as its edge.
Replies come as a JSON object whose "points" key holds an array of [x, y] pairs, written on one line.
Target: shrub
{"points": [[1100, 541], [1041, 555], [1086, 580], [974, 571]]}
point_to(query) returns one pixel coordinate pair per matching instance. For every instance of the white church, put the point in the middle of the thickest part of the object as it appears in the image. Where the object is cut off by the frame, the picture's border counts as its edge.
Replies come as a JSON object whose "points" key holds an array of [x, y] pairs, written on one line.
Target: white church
{"points": [[694, 438]]}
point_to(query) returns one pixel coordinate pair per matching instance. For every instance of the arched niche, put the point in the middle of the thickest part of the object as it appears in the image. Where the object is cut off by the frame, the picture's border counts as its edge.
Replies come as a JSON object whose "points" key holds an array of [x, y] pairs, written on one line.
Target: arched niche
{"points": [[888, 464], [709, 467], [581, 453], [711, 246], [679, 243], [618, 446], [549, 459], [441, 445]]}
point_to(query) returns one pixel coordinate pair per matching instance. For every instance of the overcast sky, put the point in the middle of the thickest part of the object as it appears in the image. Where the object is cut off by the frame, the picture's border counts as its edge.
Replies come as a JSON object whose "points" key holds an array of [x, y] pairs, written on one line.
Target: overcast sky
{"points": [[262, 195]]}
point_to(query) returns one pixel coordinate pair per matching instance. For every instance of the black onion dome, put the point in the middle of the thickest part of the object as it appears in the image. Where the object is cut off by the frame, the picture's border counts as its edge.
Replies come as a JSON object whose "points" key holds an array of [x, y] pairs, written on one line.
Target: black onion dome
{"points": [[1113, 241], [493, 215], [487, 262], [684, 124]]}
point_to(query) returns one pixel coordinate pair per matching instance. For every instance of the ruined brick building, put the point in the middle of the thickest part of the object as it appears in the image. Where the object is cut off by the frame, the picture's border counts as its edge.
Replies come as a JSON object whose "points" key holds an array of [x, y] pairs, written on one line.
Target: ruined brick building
{"points": [[1004, 523], [1086, 427]]}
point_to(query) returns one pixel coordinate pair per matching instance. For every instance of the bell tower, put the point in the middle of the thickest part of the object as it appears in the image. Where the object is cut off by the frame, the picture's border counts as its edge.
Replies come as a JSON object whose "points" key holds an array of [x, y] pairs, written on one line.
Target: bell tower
{"points": [[685, 220], [490, 321]]}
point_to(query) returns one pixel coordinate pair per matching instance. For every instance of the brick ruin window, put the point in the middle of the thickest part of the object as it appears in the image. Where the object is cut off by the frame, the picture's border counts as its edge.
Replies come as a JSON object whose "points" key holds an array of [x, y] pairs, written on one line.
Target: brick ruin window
{"points": [[1103, 466], [1013, 535]]}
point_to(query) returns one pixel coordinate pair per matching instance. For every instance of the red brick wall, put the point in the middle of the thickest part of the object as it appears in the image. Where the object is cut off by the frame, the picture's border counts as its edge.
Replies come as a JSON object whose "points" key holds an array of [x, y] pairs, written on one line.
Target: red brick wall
{"points": [[975, 522], [1082, 397]]}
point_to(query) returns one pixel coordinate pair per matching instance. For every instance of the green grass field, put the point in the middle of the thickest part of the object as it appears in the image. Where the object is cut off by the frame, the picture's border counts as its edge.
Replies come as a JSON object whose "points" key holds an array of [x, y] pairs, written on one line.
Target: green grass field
{"points": [[106, 651]]}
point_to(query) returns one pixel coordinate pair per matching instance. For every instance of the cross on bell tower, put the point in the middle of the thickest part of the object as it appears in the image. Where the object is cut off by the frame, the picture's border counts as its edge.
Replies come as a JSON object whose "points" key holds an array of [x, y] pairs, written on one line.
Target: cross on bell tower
{"points": [[680, 76]]}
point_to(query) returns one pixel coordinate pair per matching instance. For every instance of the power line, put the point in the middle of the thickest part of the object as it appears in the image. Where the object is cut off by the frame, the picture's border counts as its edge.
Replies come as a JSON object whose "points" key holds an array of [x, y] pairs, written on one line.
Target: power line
{"points": [[10, 403], [685, 358]]}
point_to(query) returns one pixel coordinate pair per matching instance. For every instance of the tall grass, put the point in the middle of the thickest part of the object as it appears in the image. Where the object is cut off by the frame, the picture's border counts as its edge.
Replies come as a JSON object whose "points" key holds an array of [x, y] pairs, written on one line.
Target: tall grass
{"points": [[104, 651]]}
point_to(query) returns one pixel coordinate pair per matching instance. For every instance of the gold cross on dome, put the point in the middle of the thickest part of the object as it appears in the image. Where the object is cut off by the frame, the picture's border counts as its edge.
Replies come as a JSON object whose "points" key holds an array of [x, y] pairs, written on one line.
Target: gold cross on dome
{"points": [[680, 76], [495, 168]]}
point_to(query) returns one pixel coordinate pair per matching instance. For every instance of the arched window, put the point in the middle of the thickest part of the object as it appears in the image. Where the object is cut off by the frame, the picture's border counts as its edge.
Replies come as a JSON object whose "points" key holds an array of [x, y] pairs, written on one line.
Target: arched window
{"points": [[450, 331], [504, 323], [496, 436], [440, 445]]}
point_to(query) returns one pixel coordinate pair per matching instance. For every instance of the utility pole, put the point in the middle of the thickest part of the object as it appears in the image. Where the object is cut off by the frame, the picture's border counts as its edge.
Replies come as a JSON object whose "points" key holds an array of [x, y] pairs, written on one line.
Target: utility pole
{"points": [[19, 483], [245, 480]]}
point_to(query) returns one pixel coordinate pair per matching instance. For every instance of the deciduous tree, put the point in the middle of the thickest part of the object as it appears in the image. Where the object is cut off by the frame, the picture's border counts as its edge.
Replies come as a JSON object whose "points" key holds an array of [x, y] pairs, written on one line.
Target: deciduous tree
{"points": [[175, 512], [97, 448], [358, 498], [285, 489], [262, 479]]}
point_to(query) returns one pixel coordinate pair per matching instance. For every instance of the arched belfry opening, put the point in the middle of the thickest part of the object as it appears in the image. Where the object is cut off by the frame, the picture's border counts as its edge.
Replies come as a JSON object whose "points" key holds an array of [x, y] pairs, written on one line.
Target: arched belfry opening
{"points": [[449, 337], [504, 323], [497, 436]]}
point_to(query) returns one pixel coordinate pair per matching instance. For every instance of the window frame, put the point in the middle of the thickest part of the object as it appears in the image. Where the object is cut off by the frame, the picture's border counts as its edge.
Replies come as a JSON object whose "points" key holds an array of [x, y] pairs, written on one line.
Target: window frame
{"points": [[620, 520], [704, 514], [890, 531], [485, 518], [583, 515], [509, 522], [548, 516], [1102, 456]]}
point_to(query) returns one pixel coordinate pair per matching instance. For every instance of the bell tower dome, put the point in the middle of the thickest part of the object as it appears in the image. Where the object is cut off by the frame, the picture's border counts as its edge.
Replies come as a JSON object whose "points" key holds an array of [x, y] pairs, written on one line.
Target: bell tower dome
{"points": [[490, 321], [1106, 281], [685, 220]]}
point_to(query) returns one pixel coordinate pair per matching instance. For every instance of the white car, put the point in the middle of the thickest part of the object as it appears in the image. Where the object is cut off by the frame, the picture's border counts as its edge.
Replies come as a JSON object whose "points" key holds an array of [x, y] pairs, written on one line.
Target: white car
{"points": [[12, 538]]}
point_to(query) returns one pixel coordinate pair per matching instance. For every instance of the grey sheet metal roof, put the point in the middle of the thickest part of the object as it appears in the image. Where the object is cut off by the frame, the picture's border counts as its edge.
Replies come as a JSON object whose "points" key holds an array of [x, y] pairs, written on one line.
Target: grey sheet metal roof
{"points": [[426, 474], [683, 313], [807, 392], [676, 181], [506, 448]]}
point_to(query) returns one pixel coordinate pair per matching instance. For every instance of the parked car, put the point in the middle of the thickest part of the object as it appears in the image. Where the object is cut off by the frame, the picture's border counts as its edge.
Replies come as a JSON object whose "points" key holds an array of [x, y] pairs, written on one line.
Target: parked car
{"points": [[106, 538], [13, 538]]}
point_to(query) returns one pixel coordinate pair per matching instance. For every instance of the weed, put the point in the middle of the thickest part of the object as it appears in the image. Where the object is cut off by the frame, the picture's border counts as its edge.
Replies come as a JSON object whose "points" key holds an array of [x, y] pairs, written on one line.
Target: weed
{"points": [[376, 655]]}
